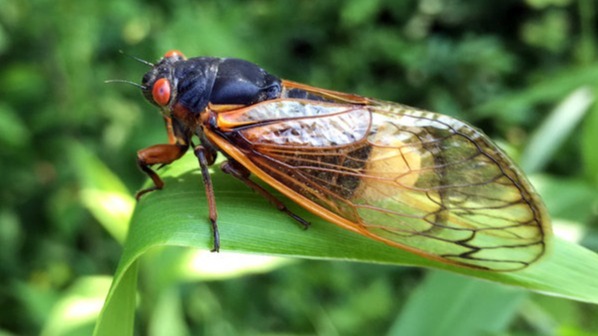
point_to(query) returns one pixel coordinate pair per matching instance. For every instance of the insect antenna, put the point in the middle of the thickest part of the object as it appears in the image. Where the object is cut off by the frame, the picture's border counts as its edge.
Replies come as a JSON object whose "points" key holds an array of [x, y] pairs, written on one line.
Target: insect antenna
{"points": [[140, 60], [142, 87]]}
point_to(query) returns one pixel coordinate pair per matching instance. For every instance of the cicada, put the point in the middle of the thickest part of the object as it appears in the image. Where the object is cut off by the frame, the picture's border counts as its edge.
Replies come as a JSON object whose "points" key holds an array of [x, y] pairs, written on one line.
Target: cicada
{"points": [[415, 180]]}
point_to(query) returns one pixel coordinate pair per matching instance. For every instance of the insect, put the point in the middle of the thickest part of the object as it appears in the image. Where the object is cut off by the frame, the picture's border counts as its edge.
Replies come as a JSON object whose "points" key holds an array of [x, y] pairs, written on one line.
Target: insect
{"points": [[415, 180]]}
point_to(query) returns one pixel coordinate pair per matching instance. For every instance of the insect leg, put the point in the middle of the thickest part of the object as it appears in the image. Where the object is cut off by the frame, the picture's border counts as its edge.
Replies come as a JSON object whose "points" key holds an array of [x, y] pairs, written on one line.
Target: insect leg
{"points": [[206, 157], [233, 168], [170, 130], [172, 138], [162, 154]]}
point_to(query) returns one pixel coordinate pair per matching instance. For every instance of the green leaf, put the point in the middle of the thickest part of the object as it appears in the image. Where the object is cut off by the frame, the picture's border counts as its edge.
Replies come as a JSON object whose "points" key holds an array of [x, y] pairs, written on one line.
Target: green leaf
{"points": [[13, 131], [555, 86], [588, 145], [555, 129], [463, 306], [102, 192], [177, 216], [78, 307], [118, 314]]}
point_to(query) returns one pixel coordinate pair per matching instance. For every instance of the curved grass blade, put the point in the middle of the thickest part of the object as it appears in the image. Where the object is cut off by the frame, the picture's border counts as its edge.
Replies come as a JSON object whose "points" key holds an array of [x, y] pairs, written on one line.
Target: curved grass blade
{"points": [[177, 216]]}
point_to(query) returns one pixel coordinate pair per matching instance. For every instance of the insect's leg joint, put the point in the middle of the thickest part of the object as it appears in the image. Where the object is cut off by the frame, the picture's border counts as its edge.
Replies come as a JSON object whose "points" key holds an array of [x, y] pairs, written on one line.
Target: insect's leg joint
{"points": [[206, 157], [157, 154], [242, 174]]}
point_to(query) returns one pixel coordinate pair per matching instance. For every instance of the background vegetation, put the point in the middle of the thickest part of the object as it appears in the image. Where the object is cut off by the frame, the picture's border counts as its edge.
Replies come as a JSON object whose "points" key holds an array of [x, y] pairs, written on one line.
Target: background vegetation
{"points": [[525, 72]]}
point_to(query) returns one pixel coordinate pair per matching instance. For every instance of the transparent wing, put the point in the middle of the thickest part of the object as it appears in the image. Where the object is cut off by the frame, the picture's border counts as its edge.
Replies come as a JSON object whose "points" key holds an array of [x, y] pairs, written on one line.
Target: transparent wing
{"points": [[410, 178]]}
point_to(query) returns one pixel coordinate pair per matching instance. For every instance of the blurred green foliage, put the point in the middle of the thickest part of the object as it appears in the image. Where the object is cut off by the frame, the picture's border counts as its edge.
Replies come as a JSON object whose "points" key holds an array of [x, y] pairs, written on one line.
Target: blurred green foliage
{"points": [[503, 65]]}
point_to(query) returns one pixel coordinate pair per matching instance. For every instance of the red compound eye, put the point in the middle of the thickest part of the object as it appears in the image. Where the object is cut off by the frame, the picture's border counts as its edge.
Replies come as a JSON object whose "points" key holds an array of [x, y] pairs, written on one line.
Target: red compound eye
{"points": [[174, 53], [161, 92]]}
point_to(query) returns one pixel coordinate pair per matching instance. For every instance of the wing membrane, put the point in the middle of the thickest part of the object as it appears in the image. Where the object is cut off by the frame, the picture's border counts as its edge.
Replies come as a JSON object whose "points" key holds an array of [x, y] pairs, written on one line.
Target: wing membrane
{"points": [[407, 177]]}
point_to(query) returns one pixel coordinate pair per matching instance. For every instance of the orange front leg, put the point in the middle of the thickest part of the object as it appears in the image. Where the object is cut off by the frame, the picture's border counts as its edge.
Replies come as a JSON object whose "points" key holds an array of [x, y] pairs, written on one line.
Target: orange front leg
{"points": [[157, 154], [170, 130]]}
